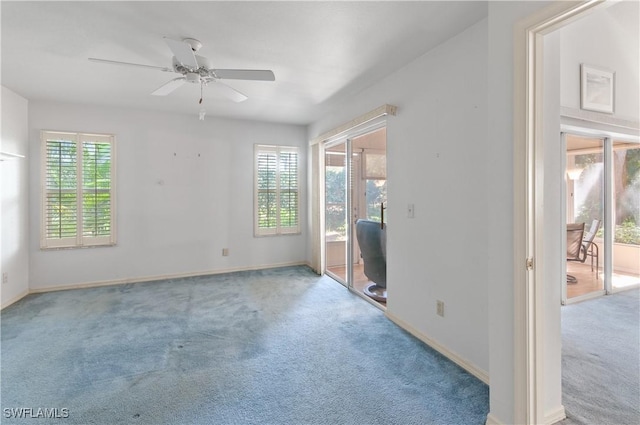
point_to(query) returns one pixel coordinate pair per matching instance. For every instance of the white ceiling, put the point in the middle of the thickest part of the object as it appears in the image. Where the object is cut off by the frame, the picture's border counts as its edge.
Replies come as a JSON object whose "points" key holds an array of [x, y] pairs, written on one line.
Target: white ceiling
{"points": [[321, 52]]}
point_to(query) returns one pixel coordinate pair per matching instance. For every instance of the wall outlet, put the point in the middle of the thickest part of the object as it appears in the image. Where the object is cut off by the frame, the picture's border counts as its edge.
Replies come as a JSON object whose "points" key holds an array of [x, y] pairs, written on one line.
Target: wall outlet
{"points": [[5, 277], [440, 308], [225, 252]]}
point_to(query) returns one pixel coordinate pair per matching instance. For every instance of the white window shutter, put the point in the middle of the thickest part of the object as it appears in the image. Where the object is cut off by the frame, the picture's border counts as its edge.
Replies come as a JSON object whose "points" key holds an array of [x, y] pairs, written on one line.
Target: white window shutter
{"points": [[78, 190], [277, 208]]}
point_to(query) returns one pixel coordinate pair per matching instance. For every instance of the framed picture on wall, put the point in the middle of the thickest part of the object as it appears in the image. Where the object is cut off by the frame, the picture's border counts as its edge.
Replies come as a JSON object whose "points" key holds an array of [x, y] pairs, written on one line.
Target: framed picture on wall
{"points": [[596, 89]]}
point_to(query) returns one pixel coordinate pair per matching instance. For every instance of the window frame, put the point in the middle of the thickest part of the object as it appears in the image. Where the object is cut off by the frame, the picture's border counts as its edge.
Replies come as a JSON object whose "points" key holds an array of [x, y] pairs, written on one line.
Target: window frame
{"points": [[279, 230], [79, 240]]}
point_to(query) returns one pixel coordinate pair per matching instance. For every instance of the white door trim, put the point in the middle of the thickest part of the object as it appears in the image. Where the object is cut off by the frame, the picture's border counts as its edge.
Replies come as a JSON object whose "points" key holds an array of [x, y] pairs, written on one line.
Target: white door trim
{"points": [[529, 372]]}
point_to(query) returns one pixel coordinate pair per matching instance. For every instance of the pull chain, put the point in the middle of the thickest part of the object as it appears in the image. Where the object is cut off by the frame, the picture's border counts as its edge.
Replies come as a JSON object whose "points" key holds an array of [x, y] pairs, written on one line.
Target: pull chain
{"points": [[201, 84]]}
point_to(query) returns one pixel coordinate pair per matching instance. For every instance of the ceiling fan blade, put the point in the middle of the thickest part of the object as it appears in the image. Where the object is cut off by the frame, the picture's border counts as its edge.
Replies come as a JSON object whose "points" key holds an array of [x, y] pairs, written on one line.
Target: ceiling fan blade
{"points": [[229, 92], [139, 65], [245, 74], [183, 53], [169, 87]]}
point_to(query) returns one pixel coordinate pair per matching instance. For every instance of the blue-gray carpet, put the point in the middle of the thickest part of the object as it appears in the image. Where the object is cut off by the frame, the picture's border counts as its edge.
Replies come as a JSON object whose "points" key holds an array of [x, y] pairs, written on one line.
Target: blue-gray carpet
{"points": [[601, 360], [280, 346]]}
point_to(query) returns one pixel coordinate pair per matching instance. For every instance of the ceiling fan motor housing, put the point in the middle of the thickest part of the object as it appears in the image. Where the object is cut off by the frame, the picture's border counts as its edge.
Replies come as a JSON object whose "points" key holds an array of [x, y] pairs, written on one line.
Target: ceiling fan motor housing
{"points": [[204, 68], [193, 77]]}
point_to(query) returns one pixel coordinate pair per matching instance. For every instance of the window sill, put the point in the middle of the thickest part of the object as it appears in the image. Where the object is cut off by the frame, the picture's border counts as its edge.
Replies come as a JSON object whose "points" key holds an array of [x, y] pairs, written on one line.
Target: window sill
{"points": [[60, 248], [277, 234]]}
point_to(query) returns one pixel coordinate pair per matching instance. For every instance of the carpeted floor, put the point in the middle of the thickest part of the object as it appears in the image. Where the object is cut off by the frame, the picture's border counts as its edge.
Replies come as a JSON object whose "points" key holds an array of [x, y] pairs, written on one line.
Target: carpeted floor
{"points": [[280, 346], [601, 360]]}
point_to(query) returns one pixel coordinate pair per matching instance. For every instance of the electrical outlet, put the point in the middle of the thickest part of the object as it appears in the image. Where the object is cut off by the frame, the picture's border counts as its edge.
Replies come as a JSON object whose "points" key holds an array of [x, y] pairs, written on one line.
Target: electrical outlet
{"points": [[5, 277], [225, 252], [440, 308]]}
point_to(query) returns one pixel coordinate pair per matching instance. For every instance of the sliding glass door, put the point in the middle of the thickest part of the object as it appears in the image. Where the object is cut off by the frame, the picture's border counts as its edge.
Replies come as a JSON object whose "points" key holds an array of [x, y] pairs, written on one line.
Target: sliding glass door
{"points": [[355, 189], [603, 192], [626, 215], [586, 204], [337, 175]]}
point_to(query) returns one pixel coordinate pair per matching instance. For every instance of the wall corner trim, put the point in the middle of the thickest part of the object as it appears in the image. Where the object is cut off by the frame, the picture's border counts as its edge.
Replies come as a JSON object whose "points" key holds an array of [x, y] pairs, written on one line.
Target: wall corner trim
{"points": [[555, 416], [492, 420], [14, 299], [472, 369]]}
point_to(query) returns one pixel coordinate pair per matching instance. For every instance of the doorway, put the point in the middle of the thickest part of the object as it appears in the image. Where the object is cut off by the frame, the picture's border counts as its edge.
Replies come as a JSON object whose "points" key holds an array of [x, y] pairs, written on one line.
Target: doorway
{"points": [[537, 392], [603, 191], [586, 204], [355, 189]]}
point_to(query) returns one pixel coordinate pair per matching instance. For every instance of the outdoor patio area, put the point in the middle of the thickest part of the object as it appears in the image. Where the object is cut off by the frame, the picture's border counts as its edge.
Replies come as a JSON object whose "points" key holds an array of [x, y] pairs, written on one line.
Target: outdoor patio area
{"points": [[588, 283]]}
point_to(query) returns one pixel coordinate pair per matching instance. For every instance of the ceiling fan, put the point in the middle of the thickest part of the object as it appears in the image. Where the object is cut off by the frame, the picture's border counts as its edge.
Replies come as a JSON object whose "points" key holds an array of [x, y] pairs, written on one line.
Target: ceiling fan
{"points": [[197, 69]]}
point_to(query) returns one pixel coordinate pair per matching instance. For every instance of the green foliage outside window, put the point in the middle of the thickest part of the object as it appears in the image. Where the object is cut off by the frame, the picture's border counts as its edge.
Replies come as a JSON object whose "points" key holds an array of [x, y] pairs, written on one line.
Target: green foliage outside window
{"points": [[627, 193], [335, 201]]}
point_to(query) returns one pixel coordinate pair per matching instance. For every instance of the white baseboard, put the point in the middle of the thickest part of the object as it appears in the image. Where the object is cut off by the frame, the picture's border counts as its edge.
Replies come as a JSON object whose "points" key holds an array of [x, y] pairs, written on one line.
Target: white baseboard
{"points": [[14, 299], [472, 369], [555, 416], [161, 277], [492, 420]]}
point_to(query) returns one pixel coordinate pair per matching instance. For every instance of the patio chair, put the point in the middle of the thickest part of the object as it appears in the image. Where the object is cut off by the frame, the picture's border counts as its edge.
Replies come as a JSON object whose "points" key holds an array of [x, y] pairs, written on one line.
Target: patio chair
{"points": [[372, 239], [590, 248], [575, 233]]}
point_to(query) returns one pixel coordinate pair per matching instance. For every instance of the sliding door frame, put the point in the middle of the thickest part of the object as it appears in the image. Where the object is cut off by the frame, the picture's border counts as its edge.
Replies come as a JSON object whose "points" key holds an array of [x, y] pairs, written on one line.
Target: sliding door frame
{"points": [[346, 138], [608, 202], [348, 280]]}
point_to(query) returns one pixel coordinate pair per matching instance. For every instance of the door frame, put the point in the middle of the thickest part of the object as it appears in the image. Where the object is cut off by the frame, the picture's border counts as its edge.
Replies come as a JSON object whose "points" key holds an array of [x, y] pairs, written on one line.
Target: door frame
{"points": [[346, 141], [607, 201], [529, 338], [344, 137]]}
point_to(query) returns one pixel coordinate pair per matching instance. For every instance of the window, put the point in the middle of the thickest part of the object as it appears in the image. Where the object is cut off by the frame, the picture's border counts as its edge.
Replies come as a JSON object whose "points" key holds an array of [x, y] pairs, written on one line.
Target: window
{"points": [[276, 190], [78, 190]]}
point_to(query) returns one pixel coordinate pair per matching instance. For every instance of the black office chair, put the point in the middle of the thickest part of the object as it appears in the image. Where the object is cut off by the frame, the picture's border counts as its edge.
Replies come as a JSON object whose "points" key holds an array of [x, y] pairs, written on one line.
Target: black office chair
{"points": [[575, 232], [372, 238]]}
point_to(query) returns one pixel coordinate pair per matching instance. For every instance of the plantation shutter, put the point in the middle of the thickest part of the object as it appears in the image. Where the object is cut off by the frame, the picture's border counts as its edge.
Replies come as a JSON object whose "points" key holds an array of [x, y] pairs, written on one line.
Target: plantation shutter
{"points": [[96, 189], [289, 190], [276, 190], [61, 183], [267, 221], [78, 197]]}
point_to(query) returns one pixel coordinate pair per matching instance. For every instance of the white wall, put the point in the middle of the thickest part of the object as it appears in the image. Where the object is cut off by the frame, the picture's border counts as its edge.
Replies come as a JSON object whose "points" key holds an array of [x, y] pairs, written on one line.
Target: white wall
{"points": [[608, 38], [437, 160], [14, 198], [184, 192]]}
